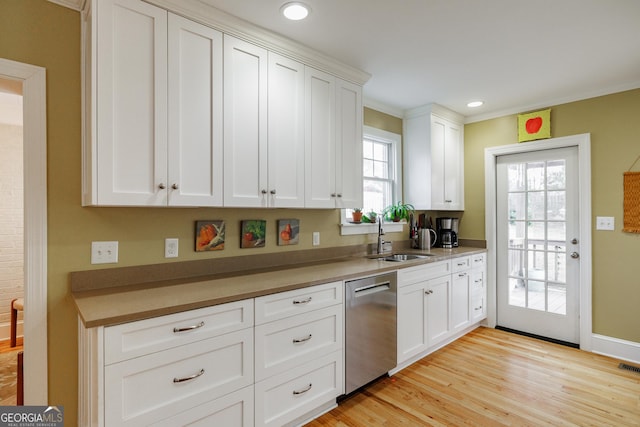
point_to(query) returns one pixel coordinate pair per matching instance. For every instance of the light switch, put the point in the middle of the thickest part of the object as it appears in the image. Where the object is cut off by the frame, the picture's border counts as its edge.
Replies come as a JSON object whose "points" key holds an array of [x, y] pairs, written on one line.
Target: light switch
{"points": [[104, 252], [316, 238], [605, 223]]}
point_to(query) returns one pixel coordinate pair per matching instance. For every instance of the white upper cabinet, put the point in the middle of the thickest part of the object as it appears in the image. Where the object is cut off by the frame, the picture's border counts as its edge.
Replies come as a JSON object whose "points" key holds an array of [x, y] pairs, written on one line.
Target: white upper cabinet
{"points": [[245, 124], [153, 99], [195, 114], [434, 159], [176, 113], [333, 142], [264, 127]]}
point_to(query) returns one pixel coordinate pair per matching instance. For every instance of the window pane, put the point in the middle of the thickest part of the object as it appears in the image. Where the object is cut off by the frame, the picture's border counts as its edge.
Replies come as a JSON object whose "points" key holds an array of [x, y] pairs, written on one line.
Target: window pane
{"points": [[536, 295], [376, 195], [516, 263], [380, 169], [557, 266], [557, 232], [535, 232], [516, 292], [556, 201], [367, 167], [381, 151], [367, 149]]}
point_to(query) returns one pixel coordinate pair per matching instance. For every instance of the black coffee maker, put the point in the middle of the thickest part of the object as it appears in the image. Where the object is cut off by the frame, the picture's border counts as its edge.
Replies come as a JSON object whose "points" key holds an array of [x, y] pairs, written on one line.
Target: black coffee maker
{"points": [[447, 232]]}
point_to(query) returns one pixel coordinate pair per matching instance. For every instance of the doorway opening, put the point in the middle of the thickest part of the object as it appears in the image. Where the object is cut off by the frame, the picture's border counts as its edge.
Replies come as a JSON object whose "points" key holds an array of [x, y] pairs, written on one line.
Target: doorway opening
{"points": [[34, 149]]}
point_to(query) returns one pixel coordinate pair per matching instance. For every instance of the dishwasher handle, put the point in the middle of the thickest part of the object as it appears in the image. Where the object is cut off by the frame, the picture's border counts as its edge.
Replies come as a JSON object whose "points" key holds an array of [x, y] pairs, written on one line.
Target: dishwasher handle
{"points": [[371, 289]]}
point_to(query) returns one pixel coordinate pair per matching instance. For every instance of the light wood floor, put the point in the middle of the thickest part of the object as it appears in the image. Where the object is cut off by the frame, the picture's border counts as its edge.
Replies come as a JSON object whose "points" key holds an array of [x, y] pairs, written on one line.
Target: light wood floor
{"points": [[8, 397], [496, 378]]}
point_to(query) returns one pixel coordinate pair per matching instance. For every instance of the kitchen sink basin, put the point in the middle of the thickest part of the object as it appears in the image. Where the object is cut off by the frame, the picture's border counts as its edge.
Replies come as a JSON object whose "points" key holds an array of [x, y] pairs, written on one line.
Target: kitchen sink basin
{"points": [[403, 257]]}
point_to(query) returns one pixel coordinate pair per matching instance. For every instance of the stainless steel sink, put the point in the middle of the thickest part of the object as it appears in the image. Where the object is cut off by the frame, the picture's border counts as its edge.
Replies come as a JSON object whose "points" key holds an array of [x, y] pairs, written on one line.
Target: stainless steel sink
{"points": [[404, 257]]}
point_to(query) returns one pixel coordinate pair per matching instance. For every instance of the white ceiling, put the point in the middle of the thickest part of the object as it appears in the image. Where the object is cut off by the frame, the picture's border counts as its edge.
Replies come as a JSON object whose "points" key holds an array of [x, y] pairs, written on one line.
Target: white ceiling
{"points": [[515, 55]]}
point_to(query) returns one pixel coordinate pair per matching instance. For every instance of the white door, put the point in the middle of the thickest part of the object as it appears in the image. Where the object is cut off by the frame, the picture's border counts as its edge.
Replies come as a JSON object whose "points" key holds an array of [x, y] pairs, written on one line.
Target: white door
{"points": [[537, 243]]}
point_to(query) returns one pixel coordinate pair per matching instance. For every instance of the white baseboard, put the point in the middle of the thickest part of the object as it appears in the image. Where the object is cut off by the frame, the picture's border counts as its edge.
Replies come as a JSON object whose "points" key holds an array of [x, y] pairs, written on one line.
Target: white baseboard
{"points": [[617, 348]]}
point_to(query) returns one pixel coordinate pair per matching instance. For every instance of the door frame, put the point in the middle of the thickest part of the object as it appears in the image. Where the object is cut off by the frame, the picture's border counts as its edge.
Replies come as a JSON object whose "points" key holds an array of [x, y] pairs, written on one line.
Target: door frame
{"points": [[583, 144], [35, 226]]}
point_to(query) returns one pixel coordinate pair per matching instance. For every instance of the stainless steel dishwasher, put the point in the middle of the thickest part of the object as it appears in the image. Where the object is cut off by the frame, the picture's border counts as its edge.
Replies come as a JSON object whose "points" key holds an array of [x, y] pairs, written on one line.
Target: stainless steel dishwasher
{"points": [[370, 329]]}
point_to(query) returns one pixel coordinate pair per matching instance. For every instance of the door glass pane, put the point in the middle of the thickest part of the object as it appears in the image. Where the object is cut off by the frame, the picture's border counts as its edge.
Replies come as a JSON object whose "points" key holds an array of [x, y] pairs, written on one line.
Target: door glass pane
{"points": [[517, 207], [558, 298], [516, 176], [537, 235], [535, 176], [556, 175], [536, 295], [535, 202], [516, 292]]}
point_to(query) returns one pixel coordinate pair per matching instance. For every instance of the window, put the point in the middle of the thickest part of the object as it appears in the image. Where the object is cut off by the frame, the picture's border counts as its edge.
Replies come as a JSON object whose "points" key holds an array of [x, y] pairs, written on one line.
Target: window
{"points": [[381, 172]]}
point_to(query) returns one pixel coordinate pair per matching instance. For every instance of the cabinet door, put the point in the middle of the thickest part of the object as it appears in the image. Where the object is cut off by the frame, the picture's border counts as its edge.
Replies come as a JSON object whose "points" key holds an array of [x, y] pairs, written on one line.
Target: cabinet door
{"points": [[438, 303], [320, 174], [446, 165], [348, 145], [131, 97], [195, 114], [245, 124], [412, 322], [460, 300], [286, 132]]}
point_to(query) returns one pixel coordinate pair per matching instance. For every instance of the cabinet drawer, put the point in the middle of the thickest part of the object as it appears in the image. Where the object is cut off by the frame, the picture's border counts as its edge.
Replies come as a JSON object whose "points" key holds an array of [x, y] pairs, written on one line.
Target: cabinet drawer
{"points": [[408, 276], [287, 396], [232, 410], [151, 388], [460, 264], [147, 336], [478, 260], [477, 282], [286, 304], [478, 309], [296, 340]]}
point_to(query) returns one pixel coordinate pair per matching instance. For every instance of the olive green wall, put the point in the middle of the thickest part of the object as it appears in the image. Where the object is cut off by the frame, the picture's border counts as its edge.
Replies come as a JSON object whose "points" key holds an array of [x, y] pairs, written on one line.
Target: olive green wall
{"points": [[614, 124], [42, 33]]}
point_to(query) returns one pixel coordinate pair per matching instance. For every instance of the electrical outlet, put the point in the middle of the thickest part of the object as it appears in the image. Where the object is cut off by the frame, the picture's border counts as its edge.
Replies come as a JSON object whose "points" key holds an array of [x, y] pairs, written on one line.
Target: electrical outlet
{"points": [[171, 248], [104, 252], [316, 238], [605, 223]]}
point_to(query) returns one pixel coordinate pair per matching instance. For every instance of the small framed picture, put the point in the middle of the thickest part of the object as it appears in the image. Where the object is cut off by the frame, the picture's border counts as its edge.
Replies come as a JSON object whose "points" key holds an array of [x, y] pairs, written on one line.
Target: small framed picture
{"points": [[288, 232], [253, 233], [209, 235]]}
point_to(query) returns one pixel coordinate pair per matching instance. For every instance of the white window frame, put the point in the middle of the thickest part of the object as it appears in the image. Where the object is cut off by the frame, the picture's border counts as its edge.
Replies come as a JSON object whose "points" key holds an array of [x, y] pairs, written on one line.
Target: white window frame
{"points": [[368, 132]]}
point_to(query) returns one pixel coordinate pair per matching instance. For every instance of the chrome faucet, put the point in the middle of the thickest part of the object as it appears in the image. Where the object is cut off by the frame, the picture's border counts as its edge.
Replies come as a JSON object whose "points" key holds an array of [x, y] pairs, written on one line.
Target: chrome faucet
{"points": [[380, 234]]}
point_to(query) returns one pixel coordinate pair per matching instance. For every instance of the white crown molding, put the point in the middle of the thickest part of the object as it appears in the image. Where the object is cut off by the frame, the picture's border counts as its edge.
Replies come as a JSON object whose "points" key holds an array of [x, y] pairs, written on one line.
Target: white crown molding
{"points": [[383, 108], [551, 102], [232, 25], [71, 4], [436, 109]]}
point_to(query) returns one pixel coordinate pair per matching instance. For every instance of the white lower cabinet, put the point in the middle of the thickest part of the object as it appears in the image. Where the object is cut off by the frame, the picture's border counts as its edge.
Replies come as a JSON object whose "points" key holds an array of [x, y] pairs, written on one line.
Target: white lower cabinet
{"points": [[437, 303], [213, 367], [299, 359], [233, 410], [295, 392]]}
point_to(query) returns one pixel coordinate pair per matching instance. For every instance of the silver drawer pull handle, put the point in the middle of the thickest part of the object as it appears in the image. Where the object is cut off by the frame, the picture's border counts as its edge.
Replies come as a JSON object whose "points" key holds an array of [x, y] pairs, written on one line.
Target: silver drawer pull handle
{"points": [[189, 378], [297, 340], [460, 264], [188, 328], [478, 308], [477, 260], [296, 392], [478, 281], [462, 274], [302, 301]]}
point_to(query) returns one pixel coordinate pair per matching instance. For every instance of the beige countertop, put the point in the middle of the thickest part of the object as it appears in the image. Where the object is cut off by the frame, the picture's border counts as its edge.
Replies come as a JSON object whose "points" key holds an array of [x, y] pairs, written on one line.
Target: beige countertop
{"points": [[104, 307]]}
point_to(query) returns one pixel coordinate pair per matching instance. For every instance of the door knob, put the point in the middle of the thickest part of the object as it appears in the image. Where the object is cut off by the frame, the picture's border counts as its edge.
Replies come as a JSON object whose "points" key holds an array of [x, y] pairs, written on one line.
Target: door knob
{"points": [[575, 255]]}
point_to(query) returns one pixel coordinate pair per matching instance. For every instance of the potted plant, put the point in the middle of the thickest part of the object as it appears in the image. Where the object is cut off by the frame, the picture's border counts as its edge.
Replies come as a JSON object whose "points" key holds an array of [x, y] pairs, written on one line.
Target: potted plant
{"points": [[398, 211], [373, 217], [357, 215]]}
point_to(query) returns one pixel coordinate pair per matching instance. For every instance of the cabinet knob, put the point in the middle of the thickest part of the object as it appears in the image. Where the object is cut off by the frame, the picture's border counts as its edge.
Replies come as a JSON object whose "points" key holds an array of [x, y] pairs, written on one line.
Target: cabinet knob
{"points": [[161, 186], [174, 186], [272, 192], [263, 191], [339, 195], [333, 194]]}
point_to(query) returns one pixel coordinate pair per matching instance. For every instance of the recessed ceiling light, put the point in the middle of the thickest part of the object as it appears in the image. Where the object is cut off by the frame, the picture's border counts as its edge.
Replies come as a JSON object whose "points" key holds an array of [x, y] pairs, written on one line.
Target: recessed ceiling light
{"points": [[295, 10], [474, 104]]}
